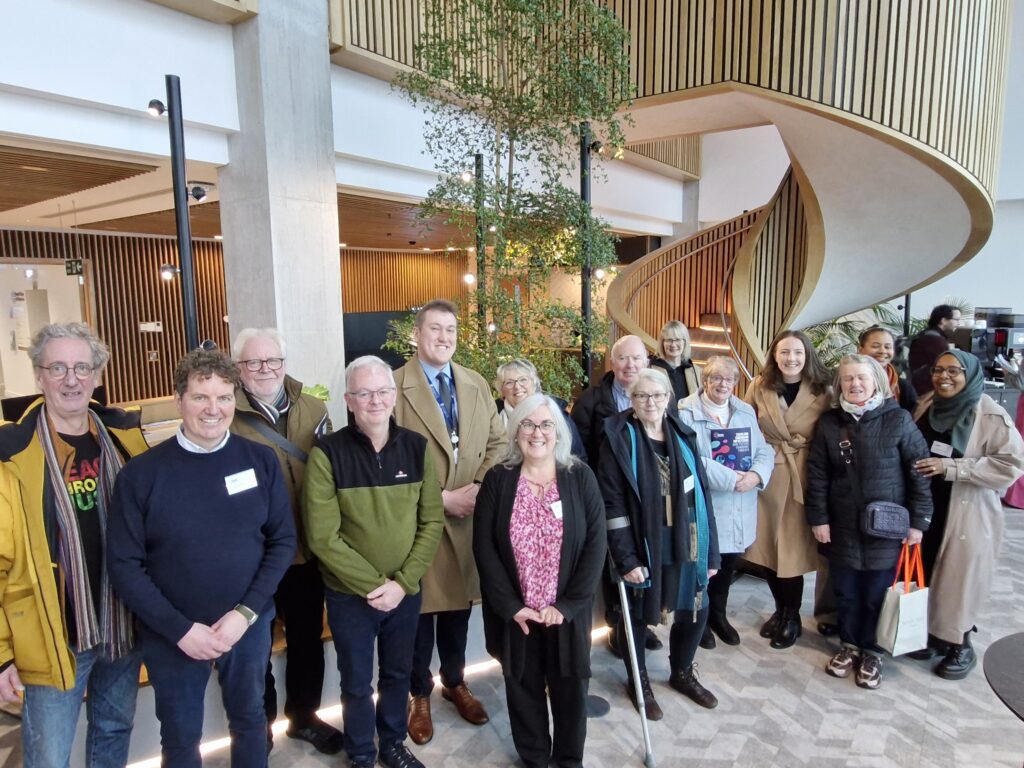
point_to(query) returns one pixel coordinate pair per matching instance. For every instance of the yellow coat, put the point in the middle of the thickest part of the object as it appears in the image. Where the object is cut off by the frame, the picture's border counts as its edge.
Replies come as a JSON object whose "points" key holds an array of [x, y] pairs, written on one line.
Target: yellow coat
{"points": [[32, 631], [784, 540], [452, 583]]}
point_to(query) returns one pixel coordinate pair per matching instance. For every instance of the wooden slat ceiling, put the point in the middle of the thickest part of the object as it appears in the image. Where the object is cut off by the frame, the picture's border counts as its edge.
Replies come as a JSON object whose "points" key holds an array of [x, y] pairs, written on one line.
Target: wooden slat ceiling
{"points": [[30, 176], [364, 222]]}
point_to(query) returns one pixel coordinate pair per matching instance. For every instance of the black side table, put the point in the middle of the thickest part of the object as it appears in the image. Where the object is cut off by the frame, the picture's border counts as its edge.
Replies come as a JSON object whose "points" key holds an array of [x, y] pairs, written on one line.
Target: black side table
{"points": [[1004, 671]]}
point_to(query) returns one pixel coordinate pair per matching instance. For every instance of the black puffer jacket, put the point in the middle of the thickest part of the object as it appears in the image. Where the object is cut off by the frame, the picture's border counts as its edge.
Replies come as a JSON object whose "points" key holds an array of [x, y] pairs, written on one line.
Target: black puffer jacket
{"points": [[886, 443]]}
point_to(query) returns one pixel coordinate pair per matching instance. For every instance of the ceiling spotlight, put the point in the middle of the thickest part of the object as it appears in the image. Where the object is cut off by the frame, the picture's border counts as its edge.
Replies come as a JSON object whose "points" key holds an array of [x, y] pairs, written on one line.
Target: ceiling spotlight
{"points": [[466, 176], [156, 107], [599, 273], [343, 245], [425, 248], [30, 273], [471, 249], [469, 278], [492, 228], [218, 237], [197, 193], [168, 271], [491, 327], [450, 248], [597, 147]]}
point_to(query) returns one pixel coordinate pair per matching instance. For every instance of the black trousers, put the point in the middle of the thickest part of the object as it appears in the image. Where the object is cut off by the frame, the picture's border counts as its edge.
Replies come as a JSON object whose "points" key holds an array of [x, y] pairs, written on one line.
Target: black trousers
{"points": [[452, 631], [788, 592], [300, 605], [719, 584], [527, 698], [683, 640]]}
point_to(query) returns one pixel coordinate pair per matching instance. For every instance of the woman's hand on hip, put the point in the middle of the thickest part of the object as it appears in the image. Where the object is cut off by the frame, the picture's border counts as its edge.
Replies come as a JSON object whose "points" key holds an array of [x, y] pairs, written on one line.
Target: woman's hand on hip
{"points": [[822, 533]]}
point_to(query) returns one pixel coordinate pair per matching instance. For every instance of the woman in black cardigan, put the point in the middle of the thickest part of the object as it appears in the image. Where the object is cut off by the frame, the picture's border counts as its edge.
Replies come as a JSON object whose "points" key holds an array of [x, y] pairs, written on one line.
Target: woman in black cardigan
{"points": [[539, 541], [884, 446], [658, 504]]}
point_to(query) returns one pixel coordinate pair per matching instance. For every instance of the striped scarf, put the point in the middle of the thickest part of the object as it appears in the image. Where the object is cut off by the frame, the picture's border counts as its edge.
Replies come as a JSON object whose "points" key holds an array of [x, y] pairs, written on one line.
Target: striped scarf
{"points": [[111, 626]]}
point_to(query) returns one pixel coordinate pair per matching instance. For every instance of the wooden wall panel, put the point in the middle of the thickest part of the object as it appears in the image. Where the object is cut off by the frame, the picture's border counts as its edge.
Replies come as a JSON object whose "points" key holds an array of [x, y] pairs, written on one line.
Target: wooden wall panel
{"points": [[395, 281], [683, 153]]}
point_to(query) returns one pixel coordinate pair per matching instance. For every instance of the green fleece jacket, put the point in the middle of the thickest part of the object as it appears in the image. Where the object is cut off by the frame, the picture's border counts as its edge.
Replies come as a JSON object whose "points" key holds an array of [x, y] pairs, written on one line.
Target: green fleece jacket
{"points": [[372, 516]]}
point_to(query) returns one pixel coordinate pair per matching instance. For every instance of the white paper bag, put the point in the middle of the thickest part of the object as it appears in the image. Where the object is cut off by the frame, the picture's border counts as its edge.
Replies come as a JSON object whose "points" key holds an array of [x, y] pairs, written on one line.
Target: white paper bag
{"points": [[903, 622]]}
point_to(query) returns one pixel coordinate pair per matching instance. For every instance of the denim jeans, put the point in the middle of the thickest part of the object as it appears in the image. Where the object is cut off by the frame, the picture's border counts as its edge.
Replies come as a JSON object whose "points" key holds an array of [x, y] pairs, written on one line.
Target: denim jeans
{"points": [[50, 716], [859, 598], [179, 687], [356, 626]]}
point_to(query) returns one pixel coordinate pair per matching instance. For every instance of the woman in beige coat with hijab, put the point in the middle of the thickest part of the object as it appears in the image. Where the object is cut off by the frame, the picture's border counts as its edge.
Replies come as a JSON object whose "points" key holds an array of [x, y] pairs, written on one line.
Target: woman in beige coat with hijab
{"points": [[976, 454], [790, 394]]}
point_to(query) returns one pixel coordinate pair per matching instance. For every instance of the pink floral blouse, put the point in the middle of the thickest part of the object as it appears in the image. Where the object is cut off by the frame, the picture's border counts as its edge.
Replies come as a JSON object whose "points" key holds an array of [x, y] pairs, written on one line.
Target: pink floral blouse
{"points": [[536, 536]]}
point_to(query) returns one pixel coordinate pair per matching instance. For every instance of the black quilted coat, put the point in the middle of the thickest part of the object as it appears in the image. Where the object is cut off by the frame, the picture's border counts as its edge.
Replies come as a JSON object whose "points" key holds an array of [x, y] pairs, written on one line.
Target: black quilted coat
{"points": [[886, 443]]}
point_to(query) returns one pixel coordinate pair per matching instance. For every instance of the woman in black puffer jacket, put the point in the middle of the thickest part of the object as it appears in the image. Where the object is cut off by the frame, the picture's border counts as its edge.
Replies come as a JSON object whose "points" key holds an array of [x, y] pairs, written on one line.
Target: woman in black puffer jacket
{"points": [[885, 443]]}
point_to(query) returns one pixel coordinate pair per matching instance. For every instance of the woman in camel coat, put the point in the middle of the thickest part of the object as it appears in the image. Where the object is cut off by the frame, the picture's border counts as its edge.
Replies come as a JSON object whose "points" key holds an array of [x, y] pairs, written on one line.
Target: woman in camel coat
{"points": [[790, 394]]}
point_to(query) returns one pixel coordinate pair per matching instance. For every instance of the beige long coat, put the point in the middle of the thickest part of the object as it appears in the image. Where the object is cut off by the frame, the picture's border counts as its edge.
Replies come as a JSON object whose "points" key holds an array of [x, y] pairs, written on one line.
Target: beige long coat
{"points": [[784, 540], [451, 583], [962, 578]]}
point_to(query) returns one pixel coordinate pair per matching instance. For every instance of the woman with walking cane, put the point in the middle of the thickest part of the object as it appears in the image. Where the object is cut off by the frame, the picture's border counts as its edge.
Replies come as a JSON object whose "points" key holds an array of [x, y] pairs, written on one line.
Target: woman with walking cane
{"points": [[661, 531]]}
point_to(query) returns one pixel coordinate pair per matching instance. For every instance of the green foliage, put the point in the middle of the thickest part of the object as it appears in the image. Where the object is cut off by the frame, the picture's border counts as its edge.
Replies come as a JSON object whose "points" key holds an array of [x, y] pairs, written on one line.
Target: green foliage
{"points": [[512, 80], [319, 391]]}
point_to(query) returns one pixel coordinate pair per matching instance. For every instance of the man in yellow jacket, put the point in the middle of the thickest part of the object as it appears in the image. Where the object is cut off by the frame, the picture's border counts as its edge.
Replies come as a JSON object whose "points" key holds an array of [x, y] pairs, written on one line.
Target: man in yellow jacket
{"points": [[62, 628]]}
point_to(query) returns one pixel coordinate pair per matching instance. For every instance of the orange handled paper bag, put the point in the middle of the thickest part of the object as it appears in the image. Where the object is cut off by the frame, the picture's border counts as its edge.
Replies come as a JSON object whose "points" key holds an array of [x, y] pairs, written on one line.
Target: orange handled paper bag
{"points": [[903, 622]]}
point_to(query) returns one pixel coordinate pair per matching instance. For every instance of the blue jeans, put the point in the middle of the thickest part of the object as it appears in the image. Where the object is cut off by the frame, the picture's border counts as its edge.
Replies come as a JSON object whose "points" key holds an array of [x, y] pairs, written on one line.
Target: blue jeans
{"points": [[50, 716], [859, 598], [356, 626], [179, 687]]}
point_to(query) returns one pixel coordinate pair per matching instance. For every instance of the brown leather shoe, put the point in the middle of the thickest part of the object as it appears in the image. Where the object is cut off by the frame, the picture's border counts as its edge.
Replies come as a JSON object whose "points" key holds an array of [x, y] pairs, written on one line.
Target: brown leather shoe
{"points": [[469, 706], [421, 727]]}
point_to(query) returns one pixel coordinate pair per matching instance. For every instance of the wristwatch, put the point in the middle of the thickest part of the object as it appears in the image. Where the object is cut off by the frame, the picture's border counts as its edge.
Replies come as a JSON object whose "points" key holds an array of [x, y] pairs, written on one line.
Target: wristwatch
{"points": [[249, 614]]}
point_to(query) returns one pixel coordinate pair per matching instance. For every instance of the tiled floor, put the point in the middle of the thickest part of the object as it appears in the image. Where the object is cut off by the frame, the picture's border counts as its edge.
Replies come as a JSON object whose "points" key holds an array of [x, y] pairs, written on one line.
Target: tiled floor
{"points": [[778, 708]]}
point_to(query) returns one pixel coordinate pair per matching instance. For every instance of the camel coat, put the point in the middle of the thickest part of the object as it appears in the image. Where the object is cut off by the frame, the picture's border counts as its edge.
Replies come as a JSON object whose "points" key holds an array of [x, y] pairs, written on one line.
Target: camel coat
{"points": [[784, 540], [993, 460], [451, 583]]}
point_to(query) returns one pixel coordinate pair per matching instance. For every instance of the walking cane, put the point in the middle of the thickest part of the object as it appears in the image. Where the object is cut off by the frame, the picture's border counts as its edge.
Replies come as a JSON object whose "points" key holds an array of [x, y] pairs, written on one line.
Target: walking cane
{"points": [[635, 667]]}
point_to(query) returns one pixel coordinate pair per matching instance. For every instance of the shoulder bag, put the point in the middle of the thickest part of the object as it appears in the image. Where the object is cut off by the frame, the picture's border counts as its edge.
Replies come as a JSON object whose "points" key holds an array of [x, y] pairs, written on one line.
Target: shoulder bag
{"points": [[880, 519]]}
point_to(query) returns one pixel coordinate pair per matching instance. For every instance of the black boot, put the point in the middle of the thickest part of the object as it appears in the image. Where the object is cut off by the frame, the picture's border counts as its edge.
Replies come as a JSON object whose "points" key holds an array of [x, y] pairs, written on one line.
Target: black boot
{"points": [[685, 681], [789, 629], [770, 627], [707, 640], [934, 648], [959, 661], [651, 708], [718, 621]]}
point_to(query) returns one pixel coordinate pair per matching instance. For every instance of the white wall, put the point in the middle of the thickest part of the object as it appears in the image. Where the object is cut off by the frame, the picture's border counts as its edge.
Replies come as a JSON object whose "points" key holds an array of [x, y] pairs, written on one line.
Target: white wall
{"points": [[84, 72], [740, 170], [63, 296]]}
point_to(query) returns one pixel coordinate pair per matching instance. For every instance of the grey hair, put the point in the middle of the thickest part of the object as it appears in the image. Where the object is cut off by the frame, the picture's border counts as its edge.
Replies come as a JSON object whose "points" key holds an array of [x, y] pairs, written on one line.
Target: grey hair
{"points": [[678, 326], [81, 331], [621, 342], [877, 373], [717, 362], [367, 361], [657, 375], [248, 334], [512, 456], [523, 365]]}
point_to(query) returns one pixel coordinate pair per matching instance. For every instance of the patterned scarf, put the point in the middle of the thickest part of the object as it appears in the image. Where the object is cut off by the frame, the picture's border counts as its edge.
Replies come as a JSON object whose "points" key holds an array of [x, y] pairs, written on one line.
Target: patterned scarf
{"points": [[111, 626], [894, 380]]}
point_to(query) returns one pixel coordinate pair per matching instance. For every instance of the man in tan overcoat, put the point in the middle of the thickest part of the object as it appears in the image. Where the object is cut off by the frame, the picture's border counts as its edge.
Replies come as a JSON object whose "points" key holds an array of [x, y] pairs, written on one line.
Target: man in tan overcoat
{"points": [[452, 407]]}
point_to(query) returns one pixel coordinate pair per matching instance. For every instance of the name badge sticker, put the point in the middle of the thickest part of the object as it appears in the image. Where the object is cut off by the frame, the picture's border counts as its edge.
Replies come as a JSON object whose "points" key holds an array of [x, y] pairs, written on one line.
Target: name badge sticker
{"points": [[688, 484], [942, 449], [240, 481], [556, 509]]}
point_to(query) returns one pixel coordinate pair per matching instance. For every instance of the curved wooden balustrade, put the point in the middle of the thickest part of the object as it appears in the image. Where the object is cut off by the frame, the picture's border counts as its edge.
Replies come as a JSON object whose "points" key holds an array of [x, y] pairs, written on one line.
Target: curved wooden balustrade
{"points": [[681, 281]]}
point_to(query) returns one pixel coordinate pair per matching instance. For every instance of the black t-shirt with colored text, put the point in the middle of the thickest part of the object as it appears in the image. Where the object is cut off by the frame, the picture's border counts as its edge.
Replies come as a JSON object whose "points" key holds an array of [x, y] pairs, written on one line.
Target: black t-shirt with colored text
{"points": [[82, 477]]}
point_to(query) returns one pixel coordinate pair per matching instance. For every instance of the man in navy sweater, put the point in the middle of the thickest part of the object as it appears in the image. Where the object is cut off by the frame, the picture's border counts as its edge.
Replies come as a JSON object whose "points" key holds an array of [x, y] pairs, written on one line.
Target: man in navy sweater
{"points": [[200, 534]]}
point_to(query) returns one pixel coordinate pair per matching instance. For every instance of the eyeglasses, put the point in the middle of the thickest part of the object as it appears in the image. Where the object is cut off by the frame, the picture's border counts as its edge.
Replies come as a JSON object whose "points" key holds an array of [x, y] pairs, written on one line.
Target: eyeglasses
{"points": [[643, 397], [366, 395], [952, 371], [272, 363], [721, 380], [546, 427], [522, 381], [60, 370]]}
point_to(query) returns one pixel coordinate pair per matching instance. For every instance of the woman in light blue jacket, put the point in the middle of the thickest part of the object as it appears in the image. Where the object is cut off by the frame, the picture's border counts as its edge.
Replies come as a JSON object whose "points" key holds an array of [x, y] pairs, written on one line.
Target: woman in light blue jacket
{"points": [[738, 463]]}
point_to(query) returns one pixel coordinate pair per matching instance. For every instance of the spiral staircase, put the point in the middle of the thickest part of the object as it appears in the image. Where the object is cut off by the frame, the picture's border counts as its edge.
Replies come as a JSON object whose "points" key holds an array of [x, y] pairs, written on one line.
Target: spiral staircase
{"points": [[890, 113]]}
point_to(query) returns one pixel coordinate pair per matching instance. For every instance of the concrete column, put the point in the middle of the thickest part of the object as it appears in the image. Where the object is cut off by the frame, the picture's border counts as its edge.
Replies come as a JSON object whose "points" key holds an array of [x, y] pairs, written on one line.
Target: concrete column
{"points": [[278, 195], [689, 224]]}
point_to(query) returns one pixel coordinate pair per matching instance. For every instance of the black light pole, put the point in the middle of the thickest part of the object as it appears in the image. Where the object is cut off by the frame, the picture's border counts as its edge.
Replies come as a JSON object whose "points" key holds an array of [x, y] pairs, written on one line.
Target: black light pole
{"points": [[478, 194], [585, 310], [188, 279], [906, 316]]}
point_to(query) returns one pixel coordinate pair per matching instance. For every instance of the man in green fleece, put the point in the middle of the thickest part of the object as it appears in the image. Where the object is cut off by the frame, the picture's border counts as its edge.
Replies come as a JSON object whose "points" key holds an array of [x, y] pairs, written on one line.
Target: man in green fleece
{"points": [[373, 518]]}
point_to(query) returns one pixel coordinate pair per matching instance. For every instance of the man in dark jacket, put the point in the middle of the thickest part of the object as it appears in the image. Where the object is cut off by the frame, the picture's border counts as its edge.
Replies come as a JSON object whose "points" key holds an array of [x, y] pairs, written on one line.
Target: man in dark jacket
{"points": [[930, 343], [270, 408]]}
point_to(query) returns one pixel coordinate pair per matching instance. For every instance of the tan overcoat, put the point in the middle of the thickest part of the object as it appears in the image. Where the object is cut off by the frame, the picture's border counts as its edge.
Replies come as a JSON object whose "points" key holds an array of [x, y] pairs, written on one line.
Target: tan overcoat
{"points": [[451, 583], [784, 540], [962, 578]]}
